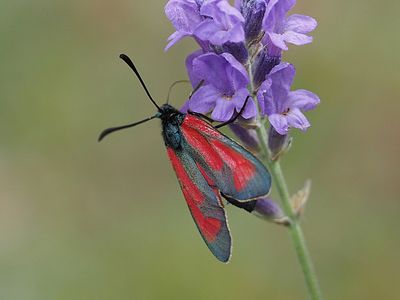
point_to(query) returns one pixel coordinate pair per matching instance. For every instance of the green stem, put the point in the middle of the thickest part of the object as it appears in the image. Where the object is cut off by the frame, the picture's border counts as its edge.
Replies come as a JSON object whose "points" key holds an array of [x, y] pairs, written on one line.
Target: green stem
{"points": [[294, 227]]}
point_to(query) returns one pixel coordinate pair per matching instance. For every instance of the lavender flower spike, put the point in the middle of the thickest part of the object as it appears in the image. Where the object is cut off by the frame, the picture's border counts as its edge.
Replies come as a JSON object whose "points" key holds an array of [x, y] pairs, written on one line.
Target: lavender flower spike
{"points": [[185, 16], [284, 107], [224, 23], [225, 86], [281, 30]]}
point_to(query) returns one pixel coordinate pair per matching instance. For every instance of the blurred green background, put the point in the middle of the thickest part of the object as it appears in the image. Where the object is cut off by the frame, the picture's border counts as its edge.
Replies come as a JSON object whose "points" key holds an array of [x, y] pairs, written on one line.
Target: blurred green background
{"points": [[82, 220]]}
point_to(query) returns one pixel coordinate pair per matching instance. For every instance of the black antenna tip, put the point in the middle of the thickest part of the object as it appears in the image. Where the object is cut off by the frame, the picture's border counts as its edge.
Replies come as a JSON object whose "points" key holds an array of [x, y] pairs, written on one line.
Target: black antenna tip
{"points": [[103, 134], [127, 60]]}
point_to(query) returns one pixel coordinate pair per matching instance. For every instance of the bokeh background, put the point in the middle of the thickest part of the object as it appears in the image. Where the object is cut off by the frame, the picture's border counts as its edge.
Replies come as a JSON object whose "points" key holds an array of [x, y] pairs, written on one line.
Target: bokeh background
{"points": [[82, 220]]}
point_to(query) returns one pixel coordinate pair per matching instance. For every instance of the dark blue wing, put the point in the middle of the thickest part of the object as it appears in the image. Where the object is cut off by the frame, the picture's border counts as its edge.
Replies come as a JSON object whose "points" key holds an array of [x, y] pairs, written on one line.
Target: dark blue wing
{"points": [[235, 171]]}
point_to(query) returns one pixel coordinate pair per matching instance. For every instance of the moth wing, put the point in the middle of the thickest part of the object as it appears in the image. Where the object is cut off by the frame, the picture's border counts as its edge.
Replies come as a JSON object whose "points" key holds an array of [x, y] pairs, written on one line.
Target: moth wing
{"points": [[204, 204], [237, 173]]}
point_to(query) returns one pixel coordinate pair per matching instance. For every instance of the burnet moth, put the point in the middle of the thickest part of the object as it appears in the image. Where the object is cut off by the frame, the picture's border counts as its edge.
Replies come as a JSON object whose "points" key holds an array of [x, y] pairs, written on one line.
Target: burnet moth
{"points": [[209, 166]]}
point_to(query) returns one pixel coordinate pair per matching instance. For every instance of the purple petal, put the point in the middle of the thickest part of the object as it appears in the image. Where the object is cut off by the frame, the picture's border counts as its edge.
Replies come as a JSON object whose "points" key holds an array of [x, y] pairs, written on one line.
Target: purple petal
{"points": [[212, 68], [224, 25], [238, 4], [270, 5], [206, 30], [283, 6], [297, 38], [300, 23], [280, 67], [275, 15], [303, 99], [210, 31], [280, 123], [183, 14], [222, 12], [295, 118], [264, 97], [278, 40], [222, 71], [236, 33], [193, 76], [219, 37], [223, 110], [174, 38], [185, 17], [238, 76], [204, 99], [282, 77]]}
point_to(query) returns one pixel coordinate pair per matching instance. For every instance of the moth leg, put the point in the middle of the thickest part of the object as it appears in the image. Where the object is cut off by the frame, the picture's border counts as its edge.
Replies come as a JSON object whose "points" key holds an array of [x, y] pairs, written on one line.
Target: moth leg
{"points": [[201, 116], [235, 117], [196, 88], [249, 206]]}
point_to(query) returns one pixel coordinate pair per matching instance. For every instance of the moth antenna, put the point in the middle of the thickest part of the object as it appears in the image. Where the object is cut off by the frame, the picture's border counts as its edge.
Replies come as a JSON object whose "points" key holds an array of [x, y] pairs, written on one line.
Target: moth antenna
{"points": [[107, 131], [129, 62]]}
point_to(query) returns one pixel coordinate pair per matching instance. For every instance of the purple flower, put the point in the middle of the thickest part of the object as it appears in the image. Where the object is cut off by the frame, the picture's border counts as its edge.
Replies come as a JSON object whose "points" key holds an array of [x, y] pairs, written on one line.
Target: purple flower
{"points": [[224, 23], [185, 16], [284, 107], [224, 90], [280, 29]]}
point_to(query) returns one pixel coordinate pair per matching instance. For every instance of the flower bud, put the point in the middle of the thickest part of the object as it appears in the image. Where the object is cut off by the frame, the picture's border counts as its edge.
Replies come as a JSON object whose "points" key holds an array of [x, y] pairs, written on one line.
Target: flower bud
{"points": [[253, 12], [238, 50], [278, 144], [262, 65], [248, 136], [264, 208]]}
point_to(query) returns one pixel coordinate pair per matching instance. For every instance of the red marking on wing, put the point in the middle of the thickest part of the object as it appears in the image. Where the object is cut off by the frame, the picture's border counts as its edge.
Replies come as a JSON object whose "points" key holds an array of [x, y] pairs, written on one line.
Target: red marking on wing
{"points": [[186, 183], [209, 227], [211, 183], [242, 169], [198, 141], [201, 125]]}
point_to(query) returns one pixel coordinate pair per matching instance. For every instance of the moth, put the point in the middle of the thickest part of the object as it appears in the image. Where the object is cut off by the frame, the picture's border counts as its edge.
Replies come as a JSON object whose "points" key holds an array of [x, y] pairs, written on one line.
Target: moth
{"points": [[209, 166]]}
